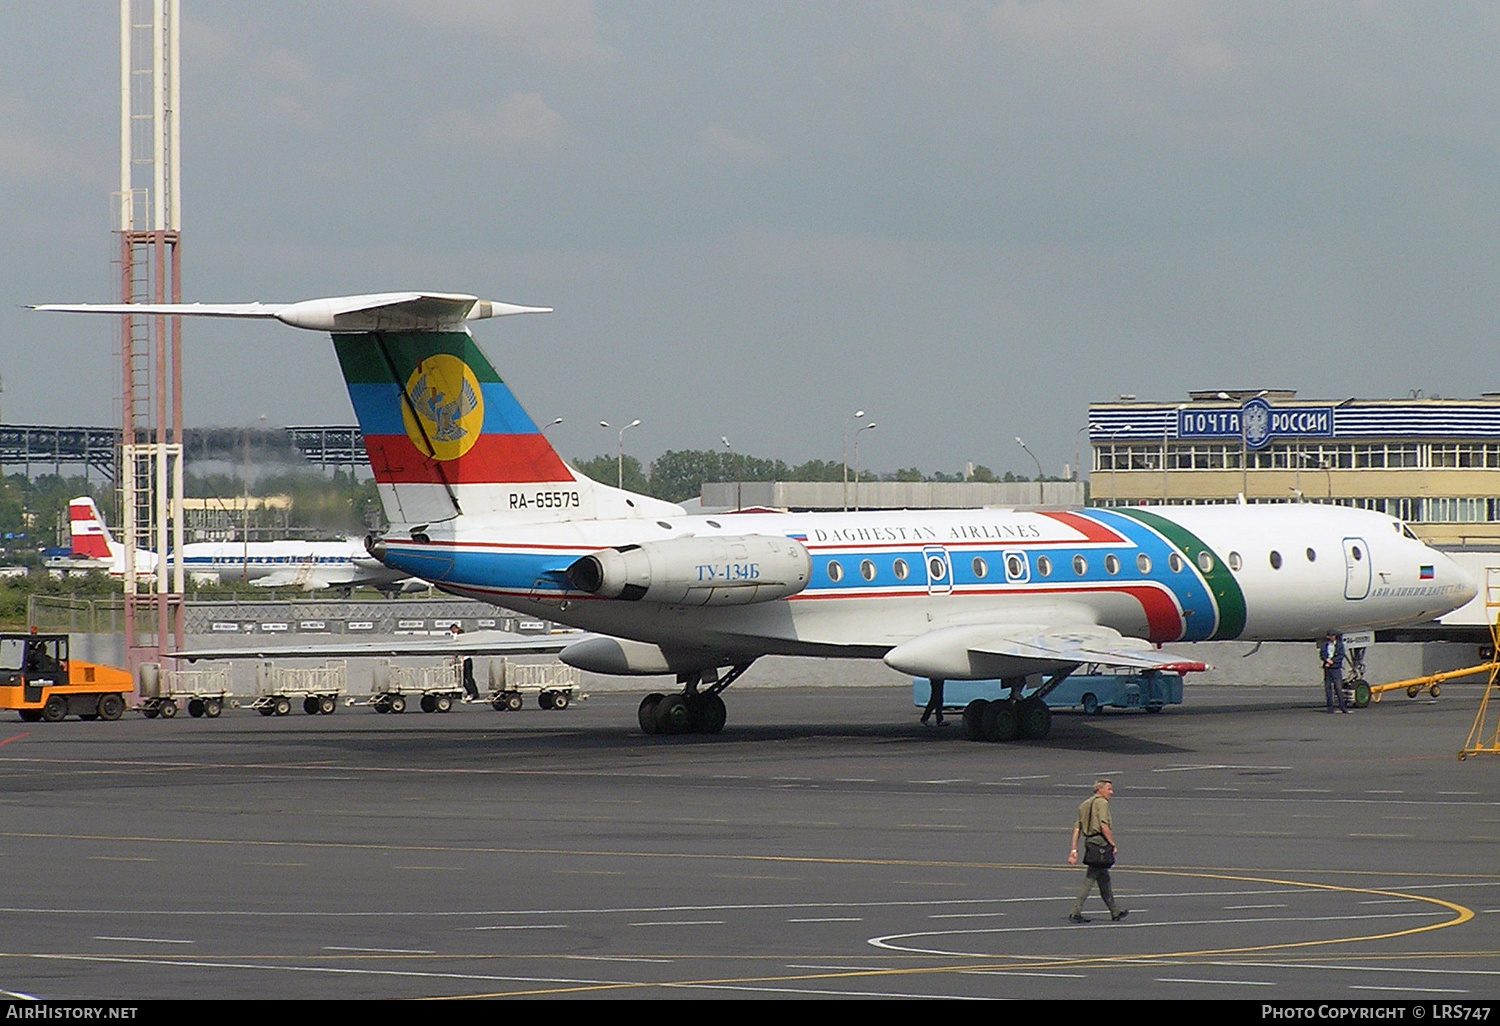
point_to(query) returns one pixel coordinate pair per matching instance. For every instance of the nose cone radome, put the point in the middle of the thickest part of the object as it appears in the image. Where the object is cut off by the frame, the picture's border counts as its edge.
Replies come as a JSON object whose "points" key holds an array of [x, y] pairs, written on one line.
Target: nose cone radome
{"points": [[1465, 585]]}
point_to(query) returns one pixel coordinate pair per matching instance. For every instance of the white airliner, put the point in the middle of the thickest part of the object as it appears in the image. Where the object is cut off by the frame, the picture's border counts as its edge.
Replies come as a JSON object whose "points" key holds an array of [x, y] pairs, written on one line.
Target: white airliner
{"points": [[310, 566], [482, 506]]}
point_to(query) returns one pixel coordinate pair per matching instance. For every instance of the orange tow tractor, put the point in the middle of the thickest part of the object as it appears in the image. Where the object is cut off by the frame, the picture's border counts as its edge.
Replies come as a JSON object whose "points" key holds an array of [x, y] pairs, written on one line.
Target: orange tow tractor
{"points": [[39, 681]]}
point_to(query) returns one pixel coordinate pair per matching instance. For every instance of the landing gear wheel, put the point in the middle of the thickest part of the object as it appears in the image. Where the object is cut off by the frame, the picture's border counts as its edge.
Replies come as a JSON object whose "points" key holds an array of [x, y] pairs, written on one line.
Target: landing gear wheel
{"points": [[1361, 694], [195, 707], [111, 707], [545, 699], [674, 715], [212, 707], [560, 700], [55, 709], [974, 719], [1000, 722], [1090, 703], [310, 705], [283, 707], [710, 715], [646, 714], [1033, 718]]}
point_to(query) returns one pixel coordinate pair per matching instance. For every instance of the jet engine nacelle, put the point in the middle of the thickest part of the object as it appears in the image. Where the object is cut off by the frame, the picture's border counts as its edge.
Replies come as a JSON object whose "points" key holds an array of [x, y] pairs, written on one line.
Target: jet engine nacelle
{"points": [[732, 571]]}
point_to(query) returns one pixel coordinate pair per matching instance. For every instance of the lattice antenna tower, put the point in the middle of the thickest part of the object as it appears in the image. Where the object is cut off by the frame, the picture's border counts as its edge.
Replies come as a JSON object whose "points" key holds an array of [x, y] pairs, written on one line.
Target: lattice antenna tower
{"points": [[149, 224]]}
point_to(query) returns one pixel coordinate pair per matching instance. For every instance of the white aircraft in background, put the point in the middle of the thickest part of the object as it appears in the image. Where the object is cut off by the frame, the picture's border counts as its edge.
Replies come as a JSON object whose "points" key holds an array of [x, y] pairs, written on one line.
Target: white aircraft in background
{"points": [[310, 566], [482, 506]]}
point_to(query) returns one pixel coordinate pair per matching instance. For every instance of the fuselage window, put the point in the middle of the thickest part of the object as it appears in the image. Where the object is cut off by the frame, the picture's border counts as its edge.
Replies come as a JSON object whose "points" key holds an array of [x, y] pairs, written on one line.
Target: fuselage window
{"points": [[936, 568], [981, 568], [867, 570], [1234, 561], [1143, 563], [1312, 557], [1275, 560], [835, 571], [1205, 562], [1175, 562], [1044, 566], [1015, 566], [1112, 563], [1354, 551], [1080, 565], [901, 569]]}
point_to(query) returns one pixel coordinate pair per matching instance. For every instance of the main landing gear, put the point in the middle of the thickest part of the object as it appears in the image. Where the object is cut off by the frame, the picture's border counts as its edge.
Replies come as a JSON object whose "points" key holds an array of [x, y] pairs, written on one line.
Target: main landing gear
{"points": [[690, 711], [1006, 719]]}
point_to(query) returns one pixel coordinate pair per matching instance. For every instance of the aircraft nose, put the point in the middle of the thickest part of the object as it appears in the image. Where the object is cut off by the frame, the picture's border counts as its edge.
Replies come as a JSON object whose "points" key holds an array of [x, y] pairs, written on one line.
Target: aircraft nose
{"points": [[1465, 584]]}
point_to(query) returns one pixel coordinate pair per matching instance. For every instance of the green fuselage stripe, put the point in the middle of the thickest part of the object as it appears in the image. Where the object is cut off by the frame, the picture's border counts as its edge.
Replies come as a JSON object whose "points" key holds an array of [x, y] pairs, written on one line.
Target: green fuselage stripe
{"points": [[1225, 590]]}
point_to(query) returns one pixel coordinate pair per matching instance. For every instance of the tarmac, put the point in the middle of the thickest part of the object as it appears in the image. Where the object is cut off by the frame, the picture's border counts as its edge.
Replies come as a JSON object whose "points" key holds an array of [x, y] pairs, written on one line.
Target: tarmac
{"points": [[824, 845]]}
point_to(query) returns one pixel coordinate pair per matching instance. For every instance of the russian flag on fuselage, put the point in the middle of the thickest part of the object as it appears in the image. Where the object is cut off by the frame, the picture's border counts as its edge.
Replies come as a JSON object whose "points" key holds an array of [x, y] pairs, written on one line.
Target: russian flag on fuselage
{"points": [[433, 410]]}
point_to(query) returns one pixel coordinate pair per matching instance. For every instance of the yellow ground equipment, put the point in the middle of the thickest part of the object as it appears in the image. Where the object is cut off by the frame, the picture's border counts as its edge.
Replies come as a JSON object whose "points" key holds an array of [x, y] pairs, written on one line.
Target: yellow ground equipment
{"points": [[39, 681], [1485, 736]]}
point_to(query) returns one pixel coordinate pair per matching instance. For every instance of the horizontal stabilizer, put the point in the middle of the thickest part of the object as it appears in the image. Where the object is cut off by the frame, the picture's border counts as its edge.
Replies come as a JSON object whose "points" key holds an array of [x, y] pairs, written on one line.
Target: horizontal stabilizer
{"points": [[985, 651], [385, 311]]}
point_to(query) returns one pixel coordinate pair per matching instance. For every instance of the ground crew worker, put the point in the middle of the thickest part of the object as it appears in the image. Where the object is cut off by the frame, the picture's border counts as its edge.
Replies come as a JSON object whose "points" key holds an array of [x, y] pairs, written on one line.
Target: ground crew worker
{"points": [[1093, 822], [1331, 652]]}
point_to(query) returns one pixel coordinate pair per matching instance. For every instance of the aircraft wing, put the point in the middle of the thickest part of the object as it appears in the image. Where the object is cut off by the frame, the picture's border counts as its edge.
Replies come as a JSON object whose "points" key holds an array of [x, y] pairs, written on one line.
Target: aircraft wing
{"points": [[988, 651], [474, 643]]}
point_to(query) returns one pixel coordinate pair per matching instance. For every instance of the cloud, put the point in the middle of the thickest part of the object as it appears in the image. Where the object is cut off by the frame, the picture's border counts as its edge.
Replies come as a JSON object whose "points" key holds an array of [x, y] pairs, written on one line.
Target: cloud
{"points": [[24, 154], [520, 124], [550, 30]]}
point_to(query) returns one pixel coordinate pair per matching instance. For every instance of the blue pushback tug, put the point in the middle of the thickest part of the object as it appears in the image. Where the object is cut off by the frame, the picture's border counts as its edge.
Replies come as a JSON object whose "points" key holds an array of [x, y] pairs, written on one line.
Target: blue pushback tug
{"points": [[1152, 690]]}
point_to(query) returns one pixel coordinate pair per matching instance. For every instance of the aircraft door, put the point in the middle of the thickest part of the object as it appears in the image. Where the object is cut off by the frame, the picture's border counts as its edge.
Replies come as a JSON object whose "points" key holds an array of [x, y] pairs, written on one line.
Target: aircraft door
{"points": [[1357, 569], [939, 570]]}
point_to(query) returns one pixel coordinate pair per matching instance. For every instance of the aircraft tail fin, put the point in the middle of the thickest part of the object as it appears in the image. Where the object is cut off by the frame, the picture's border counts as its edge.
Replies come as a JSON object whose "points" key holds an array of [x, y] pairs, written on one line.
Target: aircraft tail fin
{"points": [[445, 435], [91, 539]]}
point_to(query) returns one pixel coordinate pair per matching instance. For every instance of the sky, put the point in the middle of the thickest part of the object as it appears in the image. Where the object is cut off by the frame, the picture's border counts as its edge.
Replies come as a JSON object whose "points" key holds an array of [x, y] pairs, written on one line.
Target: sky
{"points": [[755, 217]]}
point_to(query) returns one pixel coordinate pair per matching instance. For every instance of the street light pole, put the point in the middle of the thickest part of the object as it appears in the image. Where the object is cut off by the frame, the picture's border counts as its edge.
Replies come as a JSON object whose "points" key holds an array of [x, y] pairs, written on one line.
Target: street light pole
{"points": [[620, 451], [1039, 493], [858, 415], [868, 427]]}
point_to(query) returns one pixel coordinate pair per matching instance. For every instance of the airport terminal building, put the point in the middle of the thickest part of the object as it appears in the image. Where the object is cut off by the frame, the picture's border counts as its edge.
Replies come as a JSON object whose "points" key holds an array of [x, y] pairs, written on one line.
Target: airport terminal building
{"points": [[1434, 463]]}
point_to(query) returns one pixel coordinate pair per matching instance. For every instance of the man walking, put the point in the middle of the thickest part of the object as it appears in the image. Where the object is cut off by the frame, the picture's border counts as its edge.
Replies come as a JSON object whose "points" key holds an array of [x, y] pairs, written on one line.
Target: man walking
{"points": [[1331, 651], [1093, 824]]}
